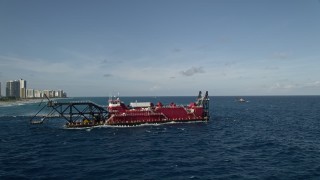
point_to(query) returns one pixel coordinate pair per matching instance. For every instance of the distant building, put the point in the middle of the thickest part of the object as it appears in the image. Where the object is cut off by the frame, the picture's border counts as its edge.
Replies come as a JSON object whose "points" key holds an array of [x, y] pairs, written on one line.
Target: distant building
{"points": [[46, 93], [13, 89], [23, 88], [18, 89], [30, 93], [38, 93], [58, 94], [51, 94]]}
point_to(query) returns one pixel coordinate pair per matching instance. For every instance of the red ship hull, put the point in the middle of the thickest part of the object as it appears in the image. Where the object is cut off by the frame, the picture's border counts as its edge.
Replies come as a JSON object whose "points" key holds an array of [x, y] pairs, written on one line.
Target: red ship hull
{"points": [[138, 113], [151, 117], [147, 113], [83, 114]]}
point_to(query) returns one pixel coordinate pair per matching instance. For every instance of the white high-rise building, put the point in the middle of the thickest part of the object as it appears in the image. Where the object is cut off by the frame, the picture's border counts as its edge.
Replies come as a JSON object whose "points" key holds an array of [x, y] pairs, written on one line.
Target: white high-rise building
{"points": [[38, 93], [23, 88], [59, 93], [30, 93], [46, 93]]}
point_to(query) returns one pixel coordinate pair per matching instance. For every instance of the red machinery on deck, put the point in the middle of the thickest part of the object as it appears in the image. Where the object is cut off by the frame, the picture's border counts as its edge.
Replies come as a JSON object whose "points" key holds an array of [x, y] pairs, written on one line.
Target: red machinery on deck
{"points": [[147, 112]]}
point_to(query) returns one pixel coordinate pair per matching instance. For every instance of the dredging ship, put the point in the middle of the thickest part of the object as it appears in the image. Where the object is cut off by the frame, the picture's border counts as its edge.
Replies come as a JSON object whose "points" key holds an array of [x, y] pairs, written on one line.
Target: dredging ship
{"points": [[117, 113]]}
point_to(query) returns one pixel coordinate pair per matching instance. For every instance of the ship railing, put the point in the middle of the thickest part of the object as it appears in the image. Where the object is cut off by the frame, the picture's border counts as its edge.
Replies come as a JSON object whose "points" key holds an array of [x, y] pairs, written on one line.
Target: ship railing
{"points": [[137, 114], [83, 102], [168, 106], [76, 102], [164, 116]]}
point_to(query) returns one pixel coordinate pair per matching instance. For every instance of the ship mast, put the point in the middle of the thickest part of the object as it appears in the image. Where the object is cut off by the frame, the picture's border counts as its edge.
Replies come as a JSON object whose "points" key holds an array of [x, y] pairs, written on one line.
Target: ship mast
{"points": [[199, 99], [205, 105], [203, 101]]}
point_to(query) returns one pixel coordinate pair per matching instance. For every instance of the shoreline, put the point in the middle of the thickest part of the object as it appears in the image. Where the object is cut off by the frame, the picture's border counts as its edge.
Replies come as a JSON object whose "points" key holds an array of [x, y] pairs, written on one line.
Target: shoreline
{"points": [[19, 102], [14, 102]]}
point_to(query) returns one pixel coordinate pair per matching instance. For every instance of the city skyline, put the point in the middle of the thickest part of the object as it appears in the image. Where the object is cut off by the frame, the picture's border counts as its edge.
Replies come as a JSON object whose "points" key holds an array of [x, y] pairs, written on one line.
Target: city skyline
{"points": [[18, 89], [159, 48]]}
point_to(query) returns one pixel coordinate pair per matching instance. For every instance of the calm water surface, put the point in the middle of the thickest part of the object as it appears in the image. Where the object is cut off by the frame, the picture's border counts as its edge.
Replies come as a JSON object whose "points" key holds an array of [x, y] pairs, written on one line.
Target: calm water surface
{"points": [[265, 138]]}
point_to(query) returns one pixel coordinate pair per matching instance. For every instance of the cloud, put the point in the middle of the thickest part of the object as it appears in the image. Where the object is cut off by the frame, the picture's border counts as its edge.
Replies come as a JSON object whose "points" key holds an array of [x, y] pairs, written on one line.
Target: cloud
{"points": [[192, 71], [109, 61], [228, 64], [223, 40], [154, 88], [48, 70], [34, 65], [271, 68], [314, 84], [176, 50], [280, 55], [283, 86], [288, 86], [107, 75], [105, 61]]}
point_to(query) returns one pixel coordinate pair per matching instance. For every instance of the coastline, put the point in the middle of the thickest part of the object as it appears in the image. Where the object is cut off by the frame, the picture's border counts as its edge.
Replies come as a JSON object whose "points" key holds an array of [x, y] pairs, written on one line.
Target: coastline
{"points": [[20, 102], [15, 102]]}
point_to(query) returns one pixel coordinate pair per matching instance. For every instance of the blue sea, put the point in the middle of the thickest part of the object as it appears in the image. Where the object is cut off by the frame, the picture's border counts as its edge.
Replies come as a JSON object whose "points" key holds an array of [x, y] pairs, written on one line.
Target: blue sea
{"points": [[268, 137]]}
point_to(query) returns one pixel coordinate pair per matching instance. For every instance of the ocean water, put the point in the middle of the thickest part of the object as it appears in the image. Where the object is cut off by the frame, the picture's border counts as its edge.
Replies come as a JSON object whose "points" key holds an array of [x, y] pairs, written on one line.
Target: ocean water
{"points": [[265, 138]]}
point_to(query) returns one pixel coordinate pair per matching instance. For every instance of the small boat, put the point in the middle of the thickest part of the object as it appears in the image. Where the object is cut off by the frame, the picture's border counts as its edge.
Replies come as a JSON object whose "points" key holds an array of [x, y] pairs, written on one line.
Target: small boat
{"points": [[241, 100]]}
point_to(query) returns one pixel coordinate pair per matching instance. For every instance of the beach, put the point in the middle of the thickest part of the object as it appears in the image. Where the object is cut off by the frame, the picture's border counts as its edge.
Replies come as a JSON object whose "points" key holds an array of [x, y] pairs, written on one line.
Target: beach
{"points": [[20, 102]]}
